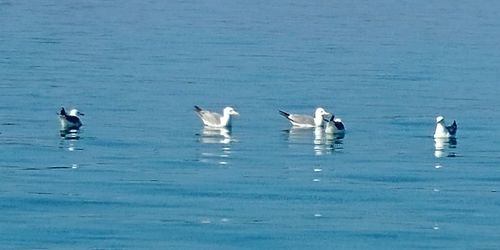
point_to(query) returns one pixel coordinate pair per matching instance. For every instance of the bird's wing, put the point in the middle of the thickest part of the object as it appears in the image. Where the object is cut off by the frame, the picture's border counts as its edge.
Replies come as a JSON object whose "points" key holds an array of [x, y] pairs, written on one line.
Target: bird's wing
{"points": [[210, 118], [452, 129], [339, 125], [73, 119], [301, 119]]}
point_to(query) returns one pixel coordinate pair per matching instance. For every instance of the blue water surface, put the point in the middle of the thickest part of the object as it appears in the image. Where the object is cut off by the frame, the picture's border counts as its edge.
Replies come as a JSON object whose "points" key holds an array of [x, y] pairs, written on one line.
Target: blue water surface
{"points": [[142, 173]]}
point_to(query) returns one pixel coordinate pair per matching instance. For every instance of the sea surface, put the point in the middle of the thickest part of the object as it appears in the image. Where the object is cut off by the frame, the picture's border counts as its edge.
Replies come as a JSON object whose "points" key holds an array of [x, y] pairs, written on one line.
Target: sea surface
{"points": [[142, 173]]}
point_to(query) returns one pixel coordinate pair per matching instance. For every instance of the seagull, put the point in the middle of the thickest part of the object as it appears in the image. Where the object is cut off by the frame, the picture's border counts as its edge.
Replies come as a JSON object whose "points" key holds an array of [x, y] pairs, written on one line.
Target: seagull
{"points": [[443, 131], [334, 126], [306, 121], [216, 120], [71, 120]]}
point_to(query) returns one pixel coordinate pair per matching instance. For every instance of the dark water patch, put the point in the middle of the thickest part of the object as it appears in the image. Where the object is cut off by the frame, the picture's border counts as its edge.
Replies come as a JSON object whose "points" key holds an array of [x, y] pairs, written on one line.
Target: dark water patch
{"points": [[388, 179], [49, 168], [41, 193], [403, 78]]}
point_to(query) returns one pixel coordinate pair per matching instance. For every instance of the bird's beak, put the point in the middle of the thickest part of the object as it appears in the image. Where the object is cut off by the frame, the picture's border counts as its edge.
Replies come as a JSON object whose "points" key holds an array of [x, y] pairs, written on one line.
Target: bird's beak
{"points": [[326, 113], [82, 114], [236, 113]]}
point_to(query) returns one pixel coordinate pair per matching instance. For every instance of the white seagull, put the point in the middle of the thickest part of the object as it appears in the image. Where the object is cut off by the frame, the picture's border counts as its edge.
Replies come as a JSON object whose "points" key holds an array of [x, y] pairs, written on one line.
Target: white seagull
{"points": [[216, 120], [443, 131], [334, 126], [70, 121], [306, 121]]}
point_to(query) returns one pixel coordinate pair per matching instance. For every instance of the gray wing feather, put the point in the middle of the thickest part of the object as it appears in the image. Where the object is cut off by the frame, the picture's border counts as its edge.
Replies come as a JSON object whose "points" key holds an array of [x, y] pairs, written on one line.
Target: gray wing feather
{"points": [[210, 117], [302, 119]]}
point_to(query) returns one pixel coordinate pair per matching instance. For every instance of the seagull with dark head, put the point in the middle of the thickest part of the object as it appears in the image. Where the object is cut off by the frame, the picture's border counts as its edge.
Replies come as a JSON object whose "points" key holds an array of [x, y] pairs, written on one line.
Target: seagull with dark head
{"points": [[334, 126], [70, 121], [443, 131], [306, 121]]}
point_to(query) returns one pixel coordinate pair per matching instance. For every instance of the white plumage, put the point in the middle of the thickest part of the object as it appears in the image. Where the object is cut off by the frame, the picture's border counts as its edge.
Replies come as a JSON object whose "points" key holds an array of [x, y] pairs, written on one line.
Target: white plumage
{"points": [[306, 121], [216, 120]]}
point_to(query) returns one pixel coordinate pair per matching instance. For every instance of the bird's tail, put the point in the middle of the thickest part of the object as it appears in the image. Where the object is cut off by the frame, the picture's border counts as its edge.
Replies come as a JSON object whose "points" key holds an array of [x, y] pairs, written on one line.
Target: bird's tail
{"points": [[283, 113], [197, 109], [453, 128]]}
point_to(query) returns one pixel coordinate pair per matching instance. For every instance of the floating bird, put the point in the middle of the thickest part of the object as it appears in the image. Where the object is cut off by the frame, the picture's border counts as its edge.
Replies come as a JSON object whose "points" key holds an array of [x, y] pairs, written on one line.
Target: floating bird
{"points": [[306, 121], [70, 121], [334, 126], [443, 131], [216, 120]]}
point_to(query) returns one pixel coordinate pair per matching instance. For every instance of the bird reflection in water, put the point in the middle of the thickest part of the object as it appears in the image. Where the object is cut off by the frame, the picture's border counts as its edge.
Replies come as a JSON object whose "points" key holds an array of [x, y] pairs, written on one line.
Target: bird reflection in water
{"points": [[69, 139], [321, 146], [218, 141], [323, 143], [327, 142], [445, 147]]}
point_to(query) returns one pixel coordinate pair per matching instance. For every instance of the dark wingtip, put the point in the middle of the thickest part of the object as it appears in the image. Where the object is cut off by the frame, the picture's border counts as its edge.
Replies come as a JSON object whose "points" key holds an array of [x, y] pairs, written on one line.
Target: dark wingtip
{"points": [[329, 120], [197, 108], [453, 128], [283, 113]]}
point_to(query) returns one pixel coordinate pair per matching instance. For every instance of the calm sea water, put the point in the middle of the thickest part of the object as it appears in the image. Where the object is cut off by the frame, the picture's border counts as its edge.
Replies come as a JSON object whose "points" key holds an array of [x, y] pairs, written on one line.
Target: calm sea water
{"points": [[143, 174]]}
